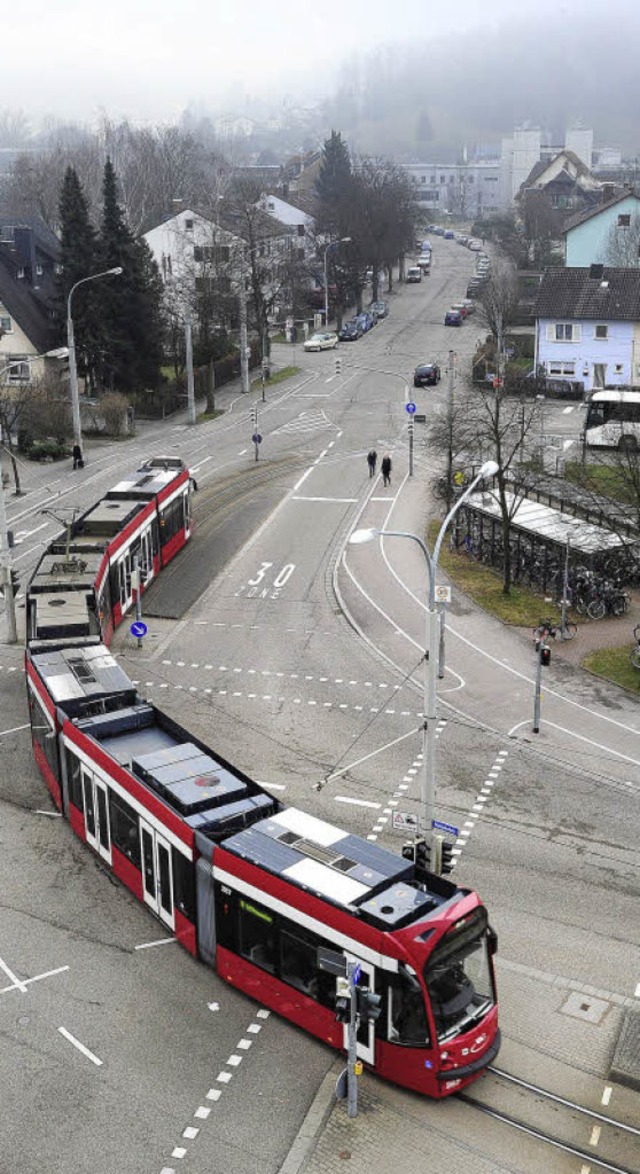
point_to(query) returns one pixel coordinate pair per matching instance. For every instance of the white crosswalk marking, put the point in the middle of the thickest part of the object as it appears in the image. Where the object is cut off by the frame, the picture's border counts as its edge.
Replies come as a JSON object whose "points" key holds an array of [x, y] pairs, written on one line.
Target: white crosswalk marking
{"points": [[310, 421]]}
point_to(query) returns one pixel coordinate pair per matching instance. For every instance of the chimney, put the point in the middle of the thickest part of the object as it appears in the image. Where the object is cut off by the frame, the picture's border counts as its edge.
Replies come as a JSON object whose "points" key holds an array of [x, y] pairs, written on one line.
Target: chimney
{"points": [[608, 192]]}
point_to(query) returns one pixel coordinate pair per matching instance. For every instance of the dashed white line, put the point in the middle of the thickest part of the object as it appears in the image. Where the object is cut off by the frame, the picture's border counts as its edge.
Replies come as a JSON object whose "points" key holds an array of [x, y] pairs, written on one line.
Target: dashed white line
{"points": [[81, 1048]]}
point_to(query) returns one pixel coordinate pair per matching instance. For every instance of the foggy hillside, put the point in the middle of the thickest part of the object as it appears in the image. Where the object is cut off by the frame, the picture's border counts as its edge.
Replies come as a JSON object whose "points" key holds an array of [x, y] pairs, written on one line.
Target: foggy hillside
{"points": [[473, 87]]}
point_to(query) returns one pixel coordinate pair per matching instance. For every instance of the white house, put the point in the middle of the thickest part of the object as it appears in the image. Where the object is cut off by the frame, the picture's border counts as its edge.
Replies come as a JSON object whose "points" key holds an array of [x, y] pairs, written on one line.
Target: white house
{"points": [[299, 217], [588, 325]]}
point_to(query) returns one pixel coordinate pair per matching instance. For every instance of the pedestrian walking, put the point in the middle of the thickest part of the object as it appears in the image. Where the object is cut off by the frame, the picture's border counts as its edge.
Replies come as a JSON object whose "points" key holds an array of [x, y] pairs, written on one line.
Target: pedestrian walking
{"points": [[78, 462], [372, 458], [386, 469]]}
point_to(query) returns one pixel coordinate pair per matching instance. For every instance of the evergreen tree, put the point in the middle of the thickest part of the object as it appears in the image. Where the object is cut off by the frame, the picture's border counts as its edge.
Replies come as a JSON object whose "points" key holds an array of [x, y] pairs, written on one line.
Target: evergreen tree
{"points": [[79, 259], [131, 303], [333, 186]]}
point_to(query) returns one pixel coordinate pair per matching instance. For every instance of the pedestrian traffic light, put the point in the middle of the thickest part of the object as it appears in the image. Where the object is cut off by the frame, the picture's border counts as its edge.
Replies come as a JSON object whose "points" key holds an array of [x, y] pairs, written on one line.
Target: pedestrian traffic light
{"points": [[343, 1008], [409, 851], [545, 655], [15, 583], [447, 858], [423, 854], [338, 365], [369, 1004]]}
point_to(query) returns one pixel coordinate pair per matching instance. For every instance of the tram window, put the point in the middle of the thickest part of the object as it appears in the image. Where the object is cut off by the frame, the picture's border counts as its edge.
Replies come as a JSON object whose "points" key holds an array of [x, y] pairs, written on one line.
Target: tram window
{"points": [[407, 1014], [298, 963], [172, 520], [184, 894], [43, 733], [257, 935], [73, 779], [125, 831]]}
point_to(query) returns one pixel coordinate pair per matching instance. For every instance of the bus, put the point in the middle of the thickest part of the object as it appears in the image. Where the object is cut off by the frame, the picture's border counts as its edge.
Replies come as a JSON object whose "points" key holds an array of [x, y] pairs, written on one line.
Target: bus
{"points": [[613, 419], [256, 890]]}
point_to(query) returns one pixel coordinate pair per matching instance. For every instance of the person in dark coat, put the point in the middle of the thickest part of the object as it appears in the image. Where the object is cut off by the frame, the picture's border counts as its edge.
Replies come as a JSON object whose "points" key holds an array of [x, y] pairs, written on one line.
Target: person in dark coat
{"points": [[78, 462], [386, 469], [372, 458]]}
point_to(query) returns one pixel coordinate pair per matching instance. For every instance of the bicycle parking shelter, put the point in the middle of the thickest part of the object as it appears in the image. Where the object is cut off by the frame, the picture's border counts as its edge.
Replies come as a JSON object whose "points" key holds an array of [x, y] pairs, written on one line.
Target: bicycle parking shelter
{"points": [[539, 536]]}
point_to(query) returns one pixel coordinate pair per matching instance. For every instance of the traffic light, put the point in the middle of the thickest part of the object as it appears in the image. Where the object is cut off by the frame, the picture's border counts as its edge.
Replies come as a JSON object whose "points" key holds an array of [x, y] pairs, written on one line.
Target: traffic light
{"points": [[15, 583], [369, 1004], [447, 858], [338, 365], [423, 854], [545, 655], [409, 851], [343, 1008]]}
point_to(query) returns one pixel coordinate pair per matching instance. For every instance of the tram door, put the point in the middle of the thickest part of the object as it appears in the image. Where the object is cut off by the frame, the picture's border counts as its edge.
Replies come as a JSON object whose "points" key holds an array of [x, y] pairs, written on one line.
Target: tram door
{"points": [[125, 582], [96, 814], [366, 1031], [145, 557], [157, 874]]}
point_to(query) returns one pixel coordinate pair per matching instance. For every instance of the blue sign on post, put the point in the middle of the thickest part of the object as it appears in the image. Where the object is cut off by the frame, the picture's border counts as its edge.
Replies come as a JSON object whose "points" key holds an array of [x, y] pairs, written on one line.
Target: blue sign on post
{"points": [[410, 408], [356, 974], [444, 827], [138, 628], [256, 438]]}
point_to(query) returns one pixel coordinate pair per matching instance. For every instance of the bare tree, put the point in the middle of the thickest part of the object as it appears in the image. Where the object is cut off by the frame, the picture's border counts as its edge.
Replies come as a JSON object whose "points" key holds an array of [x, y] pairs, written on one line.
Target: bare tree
{"points": [[623, 244]]}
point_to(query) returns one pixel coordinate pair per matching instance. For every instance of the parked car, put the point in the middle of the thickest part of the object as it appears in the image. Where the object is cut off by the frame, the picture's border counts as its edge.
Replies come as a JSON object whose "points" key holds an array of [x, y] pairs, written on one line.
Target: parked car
{"points": [[426, 375], [463, 240], [469, 305], [366, 321], [449, 235], [475, 288], [324, 340], [424, 263], [461, 308], [453, 318], [381, 309], [414, 273], [350, 332]]}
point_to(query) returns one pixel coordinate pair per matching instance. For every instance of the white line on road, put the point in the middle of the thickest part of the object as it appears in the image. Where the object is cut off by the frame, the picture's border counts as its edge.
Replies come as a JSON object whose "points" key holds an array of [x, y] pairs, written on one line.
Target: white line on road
{"points": [[21, 986], [336, 500], [13, 730], [356, 802], [81, 1048], [158, 942], [579, 737]]}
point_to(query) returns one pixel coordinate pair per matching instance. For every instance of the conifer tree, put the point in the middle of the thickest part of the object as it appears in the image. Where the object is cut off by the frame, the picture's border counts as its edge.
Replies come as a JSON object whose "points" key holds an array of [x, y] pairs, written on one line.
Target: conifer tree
{"points": [[79, 259], [131, 303]]}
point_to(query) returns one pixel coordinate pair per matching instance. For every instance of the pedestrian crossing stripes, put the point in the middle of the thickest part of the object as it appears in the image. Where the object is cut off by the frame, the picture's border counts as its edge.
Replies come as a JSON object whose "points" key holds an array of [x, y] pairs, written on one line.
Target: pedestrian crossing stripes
{"points": [[311, 421]]}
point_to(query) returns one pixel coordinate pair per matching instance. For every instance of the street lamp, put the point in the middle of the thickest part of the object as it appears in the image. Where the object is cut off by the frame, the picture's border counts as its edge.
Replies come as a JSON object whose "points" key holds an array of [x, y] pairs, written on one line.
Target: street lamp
{"points": [[428, 781], [342, 241], [73, 373]]}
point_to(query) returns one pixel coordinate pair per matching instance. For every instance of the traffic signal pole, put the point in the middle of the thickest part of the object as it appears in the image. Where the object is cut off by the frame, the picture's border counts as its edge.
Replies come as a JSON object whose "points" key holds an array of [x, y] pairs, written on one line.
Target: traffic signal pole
{"points": [[7, 578], [352, 1049]]}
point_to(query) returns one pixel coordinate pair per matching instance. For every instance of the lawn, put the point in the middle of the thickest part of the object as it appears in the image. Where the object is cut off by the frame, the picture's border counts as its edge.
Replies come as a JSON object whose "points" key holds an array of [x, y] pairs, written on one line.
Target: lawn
{"points": [[614, 664], [277, 377], [609, 480]]}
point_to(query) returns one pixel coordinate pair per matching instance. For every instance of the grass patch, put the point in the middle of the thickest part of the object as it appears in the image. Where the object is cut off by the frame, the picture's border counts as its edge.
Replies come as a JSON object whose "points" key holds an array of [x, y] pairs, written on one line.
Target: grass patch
{"points": [[608, 480], [522, 607], [277, 377], [614, 665], [202, 419]]}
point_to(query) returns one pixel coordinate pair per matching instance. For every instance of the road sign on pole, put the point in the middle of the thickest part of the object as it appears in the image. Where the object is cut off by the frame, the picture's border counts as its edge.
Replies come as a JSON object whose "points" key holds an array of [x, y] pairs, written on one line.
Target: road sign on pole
{"points": [[410, 407]]}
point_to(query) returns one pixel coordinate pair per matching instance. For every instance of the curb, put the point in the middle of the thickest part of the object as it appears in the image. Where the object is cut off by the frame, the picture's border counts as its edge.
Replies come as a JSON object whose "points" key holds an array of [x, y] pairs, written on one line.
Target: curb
{"points": [[314, 1122]]}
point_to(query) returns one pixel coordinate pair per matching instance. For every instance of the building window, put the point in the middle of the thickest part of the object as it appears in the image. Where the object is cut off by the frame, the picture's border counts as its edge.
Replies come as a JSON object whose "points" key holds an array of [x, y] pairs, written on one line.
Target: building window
{"points": [[443, 179], [624, 220], [566, 370], [7, 233], [6, 325], [189, 225], [19, 371], [39, 270], [601, 331], [618, 369], [20, 274], [566, 332], [423, 179], [300, 229]]}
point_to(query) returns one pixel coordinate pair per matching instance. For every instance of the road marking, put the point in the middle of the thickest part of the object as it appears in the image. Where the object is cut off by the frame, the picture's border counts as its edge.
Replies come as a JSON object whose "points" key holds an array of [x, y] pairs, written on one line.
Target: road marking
{"points": [[158, 942], [16, 982], [606, 1096], [14, 730], [356, 802], [333, 500], [81, 1048]]}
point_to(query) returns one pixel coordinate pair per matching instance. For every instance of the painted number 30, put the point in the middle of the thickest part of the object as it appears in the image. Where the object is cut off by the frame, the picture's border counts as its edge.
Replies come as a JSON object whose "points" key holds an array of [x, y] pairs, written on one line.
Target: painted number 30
{"points": [[263, 585]]}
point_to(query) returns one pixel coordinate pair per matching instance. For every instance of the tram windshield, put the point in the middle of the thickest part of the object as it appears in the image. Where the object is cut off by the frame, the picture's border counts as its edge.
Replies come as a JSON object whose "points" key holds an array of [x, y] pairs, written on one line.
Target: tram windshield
{"points": [[458, 977]]}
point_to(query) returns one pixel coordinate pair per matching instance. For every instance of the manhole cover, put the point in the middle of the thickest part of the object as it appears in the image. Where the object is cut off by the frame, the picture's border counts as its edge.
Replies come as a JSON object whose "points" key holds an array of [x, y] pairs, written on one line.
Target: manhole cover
{"points": [[585, 1007]]}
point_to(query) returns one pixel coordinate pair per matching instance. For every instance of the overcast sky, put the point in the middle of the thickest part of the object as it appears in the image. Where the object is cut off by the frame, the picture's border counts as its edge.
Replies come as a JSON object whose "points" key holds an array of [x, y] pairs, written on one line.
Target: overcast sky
{"points": [[148, 59]]}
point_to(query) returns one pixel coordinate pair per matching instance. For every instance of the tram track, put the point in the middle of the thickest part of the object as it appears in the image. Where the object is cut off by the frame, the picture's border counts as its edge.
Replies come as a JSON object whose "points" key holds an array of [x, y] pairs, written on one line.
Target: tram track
{"points": [[526, 1104]]}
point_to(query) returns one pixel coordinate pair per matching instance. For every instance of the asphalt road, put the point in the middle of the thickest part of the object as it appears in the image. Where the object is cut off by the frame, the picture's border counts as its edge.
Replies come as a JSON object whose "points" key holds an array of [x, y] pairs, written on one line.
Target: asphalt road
{"points": [[301, 660]]}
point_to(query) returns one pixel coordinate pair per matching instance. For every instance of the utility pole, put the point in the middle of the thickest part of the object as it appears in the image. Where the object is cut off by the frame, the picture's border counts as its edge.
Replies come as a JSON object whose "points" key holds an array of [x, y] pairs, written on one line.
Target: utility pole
{"points": [[191, 399], [244, 349], [5, 555]]}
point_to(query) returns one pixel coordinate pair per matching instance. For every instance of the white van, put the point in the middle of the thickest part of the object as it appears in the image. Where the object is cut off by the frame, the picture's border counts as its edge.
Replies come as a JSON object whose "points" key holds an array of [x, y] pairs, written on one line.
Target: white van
{"points": [[414, 273]]}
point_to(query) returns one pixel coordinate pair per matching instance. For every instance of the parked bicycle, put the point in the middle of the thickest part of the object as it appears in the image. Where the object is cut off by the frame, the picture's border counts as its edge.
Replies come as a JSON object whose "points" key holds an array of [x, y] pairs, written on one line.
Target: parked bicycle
{"points": [[608, 599], [547, 628], [635, 652]]}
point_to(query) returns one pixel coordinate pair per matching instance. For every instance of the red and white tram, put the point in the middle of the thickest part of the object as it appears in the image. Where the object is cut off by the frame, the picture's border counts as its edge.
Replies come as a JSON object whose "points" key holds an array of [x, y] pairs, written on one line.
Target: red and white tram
{"points": [[250, 886]]}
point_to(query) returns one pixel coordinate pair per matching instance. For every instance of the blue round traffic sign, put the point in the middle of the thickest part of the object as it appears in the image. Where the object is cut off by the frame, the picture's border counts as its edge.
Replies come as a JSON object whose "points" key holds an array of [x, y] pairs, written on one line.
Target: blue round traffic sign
{"points": [[411, 409], [256, 438], [138, 628]]}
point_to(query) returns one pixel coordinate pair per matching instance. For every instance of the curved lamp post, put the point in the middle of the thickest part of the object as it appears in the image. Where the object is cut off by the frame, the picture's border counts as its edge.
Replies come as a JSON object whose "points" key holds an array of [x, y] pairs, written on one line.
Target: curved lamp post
{"points": [[342, 241], [73, 373], [428, 781]]}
